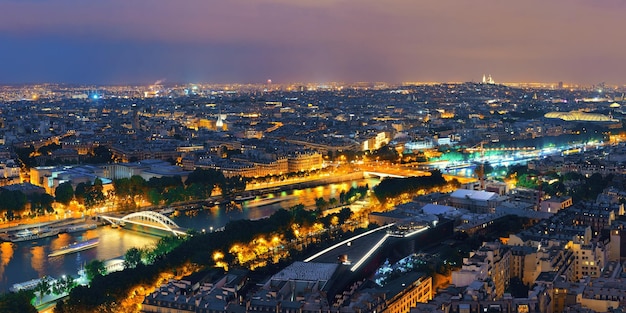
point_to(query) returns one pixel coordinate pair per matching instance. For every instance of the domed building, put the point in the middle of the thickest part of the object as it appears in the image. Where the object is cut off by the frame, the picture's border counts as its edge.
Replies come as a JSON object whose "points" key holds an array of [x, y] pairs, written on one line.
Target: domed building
{"points": [[580, 116]]}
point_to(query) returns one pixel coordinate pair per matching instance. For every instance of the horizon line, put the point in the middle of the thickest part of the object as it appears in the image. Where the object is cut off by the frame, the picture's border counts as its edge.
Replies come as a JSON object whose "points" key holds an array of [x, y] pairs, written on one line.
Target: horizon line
{"points": [[563, 84]]}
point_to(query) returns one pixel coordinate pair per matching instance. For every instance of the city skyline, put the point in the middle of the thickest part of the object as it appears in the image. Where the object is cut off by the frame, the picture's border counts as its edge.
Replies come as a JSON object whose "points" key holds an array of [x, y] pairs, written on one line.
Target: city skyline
{"points": [[116, 42]]}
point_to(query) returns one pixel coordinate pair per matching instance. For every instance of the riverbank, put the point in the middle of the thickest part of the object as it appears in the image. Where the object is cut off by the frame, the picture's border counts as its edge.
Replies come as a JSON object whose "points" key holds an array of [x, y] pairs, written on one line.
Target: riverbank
{"points": [[55, 227], [253, 190], [26, 260], [304, 182]]}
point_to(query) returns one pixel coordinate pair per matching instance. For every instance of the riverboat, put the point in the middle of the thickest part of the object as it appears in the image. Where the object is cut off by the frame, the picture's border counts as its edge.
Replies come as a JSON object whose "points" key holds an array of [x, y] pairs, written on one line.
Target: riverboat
{"points": [[27, 234], [76, 247], [29, 285], [244, 198], [266, 201], [167, 211], [82, 227]]}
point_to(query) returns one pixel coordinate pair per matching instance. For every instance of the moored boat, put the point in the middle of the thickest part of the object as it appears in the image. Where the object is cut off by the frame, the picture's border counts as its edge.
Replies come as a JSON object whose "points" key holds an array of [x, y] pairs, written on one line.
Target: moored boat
{"points": [[244, 198], [81, 227], [29, 285], [28, 234], [76, 247], [166, 211], [266, 201]]}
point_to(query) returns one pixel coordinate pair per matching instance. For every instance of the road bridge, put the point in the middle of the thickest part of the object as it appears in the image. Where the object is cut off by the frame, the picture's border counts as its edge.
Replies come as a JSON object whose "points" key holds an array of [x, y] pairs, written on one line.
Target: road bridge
{"points": [[147, 219], [362, 254], [362, 246]]}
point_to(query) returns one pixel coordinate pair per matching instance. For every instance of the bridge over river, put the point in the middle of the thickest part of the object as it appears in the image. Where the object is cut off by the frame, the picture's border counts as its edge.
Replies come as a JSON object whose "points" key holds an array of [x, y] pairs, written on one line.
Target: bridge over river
{"points": [[147, 219]]}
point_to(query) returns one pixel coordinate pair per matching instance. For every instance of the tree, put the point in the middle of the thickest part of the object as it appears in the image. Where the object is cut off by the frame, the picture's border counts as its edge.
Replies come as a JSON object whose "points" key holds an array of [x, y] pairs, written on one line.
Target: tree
{"points": [[199, 191], [483, 170], [233, 185], [386, 153], [95, 268], [392, 187], [332, 202], [102, 154], [572, 176], [68, 283], [41, 203], [25, 157], [18, 302], [321, 203], [81, 191], [344, 215], [47, 149], [12, 201], [154, 197], [93, 193], [205, 176], [175, 194], [137, 185], [132, 258], [64, 193], [127, 204], [63, 285], [60, 307], [122, 187], [302, 216], [43, 287], [527, 181]]}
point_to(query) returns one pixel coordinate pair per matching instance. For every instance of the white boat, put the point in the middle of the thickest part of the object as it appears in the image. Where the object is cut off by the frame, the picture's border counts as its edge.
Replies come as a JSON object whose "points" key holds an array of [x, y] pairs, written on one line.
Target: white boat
{"points": [[81, 227], [242, 198], [31, 284], [166, 211], [38, 233], [75, 247]]}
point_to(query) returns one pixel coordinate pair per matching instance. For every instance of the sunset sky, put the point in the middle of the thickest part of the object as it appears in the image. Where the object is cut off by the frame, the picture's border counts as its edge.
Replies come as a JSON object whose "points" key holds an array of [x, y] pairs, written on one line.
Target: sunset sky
{"points": [[248, 41]]}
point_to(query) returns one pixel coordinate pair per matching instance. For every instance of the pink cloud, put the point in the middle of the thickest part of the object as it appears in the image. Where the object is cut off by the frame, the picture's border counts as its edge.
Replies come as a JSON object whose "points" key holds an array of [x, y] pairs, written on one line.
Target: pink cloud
{"points": [[405, 38]]}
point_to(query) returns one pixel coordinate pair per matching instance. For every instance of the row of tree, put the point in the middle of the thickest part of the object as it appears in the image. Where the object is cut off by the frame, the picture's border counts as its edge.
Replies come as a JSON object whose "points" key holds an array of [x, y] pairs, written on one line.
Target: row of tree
{"points": [[165, 190], [575, 185], [57, 287], [200, 184], [157, 190], [393, 187], [349, 197], [22, 301], [106, 292], [12, 202]]}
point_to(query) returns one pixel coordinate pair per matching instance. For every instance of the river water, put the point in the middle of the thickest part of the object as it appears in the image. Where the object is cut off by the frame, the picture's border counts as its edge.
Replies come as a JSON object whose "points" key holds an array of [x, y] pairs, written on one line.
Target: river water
{"points": [[23, 261]]}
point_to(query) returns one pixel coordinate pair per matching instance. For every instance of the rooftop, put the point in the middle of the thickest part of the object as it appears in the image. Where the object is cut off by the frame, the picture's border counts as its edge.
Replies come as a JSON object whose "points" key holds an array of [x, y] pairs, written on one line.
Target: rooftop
{"points": [[480, 195], [310, 271]]}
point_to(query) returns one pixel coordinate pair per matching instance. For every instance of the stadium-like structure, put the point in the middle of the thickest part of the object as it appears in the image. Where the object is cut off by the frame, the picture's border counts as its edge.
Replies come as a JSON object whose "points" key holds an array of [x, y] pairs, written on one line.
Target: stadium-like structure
{"points": [[580, 116]]}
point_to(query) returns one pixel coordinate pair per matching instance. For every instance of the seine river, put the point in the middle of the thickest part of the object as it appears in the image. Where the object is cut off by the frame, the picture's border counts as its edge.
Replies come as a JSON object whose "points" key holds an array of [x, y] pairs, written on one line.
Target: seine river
{"points": [[23, 261]]}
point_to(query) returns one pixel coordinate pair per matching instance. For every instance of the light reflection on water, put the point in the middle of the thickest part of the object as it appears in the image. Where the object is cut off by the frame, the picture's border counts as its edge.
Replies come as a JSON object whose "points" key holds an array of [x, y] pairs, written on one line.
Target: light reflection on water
{"points": [[37, 259], [218, 216], [23, 261], [27, 260], [6, 254]]}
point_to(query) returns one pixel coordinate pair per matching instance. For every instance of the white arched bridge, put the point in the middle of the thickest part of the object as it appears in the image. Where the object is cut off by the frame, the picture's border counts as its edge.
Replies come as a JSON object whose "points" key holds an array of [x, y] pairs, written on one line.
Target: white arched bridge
{"points": [[148, 219]]}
